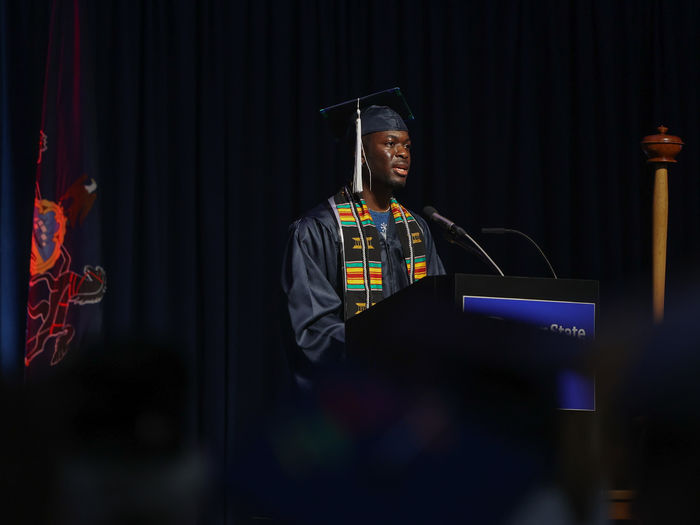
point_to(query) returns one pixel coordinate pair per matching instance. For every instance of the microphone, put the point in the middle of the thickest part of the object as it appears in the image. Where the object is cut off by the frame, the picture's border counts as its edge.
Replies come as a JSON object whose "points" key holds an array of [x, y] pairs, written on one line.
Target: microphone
{"points": [[444, 222], [500, 231], [458, 235]]}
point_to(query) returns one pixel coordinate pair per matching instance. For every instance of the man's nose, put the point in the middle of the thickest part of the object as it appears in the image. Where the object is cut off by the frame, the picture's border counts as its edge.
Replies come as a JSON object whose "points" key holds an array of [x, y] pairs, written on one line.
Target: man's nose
{"points": [[401, 151]]}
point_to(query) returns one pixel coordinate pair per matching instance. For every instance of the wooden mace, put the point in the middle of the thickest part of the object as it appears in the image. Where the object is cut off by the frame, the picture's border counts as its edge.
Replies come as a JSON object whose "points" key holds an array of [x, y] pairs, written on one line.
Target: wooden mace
{"points": [[661, 150]]}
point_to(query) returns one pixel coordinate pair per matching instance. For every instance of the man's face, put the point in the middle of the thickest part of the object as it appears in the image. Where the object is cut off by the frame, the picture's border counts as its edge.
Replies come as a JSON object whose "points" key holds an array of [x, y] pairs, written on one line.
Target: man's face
{"points": [[389, 157]]}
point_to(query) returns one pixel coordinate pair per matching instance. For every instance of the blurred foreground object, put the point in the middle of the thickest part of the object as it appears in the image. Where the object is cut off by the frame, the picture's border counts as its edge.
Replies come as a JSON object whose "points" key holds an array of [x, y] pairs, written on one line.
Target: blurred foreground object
{"points": [[659, 398], [102, 442], [465, 430]]}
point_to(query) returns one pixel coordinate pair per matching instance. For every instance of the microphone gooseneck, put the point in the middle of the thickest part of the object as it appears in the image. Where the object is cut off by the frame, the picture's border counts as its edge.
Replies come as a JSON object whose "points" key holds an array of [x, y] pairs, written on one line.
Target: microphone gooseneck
{"points": [[499, 231], [458, 235]]}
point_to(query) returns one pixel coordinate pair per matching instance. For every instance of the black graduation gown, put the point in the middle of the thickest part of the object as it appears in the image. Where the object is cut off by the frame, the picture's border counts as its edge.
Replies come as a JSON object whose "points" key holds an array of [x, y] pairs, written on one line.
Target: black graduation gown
{"points": [[312, 279]]}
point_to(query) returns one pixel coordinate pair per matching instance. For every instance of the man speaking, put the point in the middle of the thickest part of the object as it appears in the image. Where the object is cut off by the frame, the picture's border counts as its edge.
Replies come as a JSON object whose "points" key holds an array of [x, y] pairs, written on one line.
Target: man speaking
{"points": [[360, 246]]}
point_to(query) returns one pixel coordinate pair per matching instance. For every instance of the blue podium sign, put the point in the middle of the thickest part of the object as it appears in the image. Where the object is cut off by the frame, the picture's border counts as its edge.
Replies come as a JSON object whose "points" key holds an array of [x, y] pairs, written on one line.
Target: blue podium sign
{"points": [[574, 319]]}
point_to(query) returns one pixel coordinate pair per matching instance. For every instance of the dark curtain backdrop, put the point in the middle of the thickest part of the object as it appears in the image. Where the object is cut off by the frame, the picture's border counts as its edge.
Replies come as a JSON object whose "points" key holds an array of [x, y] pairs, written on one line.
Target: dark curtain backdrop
{"points": [[23, 39], [528, 115]]}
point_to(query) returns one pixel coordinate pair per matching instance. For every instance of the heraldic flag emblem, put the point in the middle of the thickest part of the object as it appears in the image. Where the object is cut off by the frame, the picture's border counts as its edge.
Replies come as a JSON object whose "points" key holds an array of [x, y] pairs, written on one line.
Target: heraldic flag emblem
{"points": [[66, 281]]}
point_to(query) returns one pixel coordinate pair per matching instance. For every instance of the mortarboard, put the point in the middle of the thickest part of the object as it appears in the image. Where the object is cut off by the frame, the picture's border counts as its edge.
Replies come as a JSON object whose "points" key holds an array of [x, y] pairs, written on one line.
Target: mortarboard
{"points": [[341, 116], [382, 111]]}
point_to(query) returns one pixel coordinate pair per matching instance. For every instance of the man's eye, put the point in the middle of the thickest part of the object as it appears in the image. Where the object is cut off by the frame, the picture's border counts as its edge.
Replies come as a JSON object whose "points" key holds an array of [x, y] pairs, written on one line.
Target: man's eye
{"points": [[390, 143]]}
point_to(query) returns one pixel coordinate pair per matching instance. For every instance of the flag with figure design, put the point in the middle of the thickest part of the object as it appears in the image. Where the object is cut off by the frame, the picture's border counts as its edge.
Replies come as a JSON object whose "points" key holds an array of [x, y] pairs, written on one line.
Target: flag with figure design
{"points": [[67, 282]]}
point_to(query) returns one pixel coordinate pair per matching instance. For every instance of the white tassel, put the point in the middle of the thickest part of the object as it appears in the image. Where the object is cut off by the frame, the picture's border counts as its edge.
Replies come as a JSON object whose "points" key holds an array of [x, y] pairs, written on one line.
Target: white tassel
{"points": [[357, 177]]}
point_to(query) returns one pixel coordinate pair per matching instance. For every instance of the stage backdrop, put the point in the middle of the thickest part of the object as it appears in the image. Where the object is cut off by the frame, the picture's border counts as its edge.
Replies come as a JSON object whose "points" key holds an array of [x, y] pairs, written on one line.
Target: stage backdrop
{"points": [[209, 143]]}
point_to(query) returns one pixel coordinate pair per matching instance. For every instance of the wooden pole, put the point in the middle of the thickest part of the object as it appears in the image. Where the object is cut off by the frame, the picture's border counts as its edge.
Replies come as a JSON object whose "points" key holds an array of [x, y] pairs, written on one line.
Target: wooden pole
{"points": [[661, 150], [659, 240]]}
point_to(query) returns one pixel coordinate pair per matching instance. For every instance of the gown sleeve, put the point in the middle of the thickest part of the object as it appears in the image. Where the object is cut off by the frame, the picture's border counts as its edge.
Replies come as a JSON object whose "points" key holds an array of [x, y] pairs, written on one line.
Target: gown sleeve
{"points": [[310, 281]]}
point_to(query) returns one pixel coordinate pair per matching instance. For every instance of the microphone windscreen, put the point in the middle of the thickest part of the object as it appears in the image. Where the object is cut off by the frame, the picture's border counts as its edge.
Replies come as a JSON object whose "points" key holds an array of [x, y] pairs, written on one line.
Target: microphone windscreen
{"points": [[429, 211]]}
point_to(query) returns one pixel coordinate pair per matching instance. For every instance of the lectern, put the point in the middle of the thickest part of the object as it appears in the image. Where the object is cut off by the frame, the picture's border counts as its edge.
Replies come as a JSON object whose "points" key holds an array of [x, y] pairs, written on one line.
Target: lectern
{"points": [[567, 307]]}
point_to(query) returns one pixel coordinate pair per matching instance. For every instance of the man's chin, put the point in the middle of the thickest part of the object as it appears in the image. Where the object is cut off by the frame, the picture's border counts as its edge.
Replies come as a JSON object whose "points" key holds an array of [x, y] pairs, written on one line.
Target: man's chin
{"points": [[398, 184], [390, 183]]}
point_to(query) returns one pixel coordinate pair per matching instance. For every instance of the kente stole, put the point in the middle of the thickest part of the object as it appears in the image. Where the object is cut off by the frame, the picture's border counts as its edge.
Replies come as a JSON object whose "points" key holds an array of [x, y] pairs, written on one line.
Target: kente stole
{"points": [[362, 259]]}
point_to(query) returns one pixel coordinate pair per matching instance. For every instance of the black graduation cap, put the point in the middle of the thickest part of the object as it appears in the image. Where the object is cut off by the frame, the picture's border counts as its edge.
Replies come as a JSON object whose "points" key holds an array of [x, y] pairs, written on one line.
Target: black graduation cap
{"points": [[382, 111]]}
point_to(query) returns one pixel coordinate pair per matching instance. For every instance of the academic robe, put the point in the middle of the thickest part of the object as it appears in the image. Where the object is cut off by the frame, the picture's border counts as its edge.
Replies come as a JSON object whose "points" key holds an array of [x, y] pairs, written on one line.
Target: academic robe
{"points": [[312, 279]]}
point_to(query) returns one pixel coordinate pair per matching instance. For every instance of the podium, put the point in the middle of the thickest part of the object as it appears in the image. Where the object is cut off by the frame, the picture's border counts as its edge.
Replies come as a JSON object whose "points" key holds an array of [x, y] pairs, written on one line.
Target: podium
{"points": [[429, 322]]}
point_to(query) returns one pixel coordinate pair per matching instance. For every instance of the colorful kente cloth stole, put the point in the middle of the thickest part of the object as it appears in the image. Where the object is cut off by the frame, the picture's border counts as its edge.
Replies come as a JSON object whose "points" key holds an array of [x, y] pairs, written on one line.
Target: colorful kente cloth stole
{"points": [[362, 259]]}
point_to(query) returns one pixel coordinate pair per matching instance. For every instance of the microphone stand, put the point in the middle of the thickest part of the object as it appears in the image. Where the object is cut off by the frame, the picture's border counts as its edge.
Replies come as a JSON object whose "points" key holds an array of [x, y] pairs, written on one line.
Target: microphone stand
{"points": [[458, 236], [508, 230], [463, 240]]}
